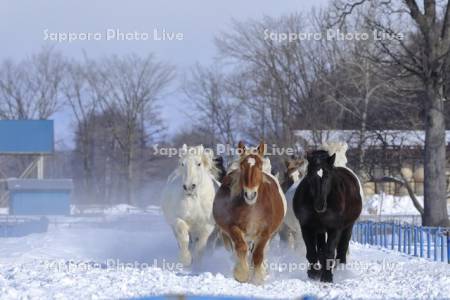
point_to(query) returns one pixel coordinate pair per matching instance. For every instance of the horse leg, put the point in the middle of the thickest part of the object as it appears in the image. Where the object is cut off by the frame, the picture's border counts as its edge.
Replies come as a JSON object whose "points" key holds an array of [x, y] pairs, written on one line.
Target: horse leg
{"points": [[284, 233], [342, 247], [292, 239], [321, 245], [310, 239], [333, 237], [227, 243], [258, 258], [299, 243], [181, 230], [213, 239], [200, 243], [241, 270]]}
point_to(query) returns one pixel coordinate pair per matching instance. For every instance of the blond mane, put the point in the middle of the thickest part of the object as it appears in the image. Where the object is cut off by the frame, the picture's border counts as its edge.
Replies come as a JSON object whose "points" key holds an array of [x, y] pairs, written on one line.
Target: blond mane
{"points": [[207, 157]]}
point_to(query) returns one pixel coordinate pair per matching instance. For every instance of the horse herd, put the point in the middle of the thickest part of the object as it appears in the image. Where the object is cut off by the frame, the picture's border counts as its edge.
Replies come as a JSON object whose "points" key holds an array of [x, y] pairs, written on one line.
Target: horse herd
{"points": [[245, 206]]}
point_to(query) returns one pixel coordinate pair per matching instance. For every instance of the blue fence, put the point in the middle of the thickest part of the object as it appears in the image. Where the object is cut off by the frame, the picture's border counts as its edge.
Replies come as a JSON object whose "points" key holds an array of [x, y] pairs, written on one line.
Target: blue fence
{"points": [[18, 227], [420, 241]]}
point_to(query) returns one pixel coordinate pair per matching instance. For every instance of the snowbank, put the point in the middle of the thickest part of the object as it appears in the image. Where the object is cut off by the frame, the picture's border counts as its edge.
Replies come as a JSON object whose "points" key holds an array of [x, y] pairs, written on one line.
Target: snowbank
{"points": [[119, 209], [390, 205]]}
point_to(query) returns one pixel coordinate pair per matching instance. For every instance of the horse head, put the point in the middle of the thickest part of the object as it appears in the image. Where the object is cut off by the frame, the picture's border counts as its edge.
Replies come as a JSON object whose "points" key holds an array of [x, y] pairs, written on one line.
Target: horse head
{"points": [[194, 164], [295, 168], [251, 171], [320, 166]]}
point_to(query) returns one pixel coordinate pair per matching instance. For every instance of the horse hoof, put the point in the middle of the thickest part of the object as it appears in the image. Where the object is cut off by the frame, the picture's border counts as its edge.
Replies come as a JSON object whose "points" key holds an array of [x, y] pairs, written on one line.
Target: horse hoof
{"points": [[339, 262], [241, 273], [326, 277], [186, 259], [259, 276], [314, 274]]}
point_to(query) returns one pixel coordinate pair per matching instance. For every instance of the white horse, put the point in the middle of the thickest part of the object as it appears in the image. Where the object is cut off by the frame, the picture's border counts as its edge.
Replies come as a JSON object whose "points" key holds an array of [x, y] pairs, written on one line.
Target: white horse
{"points": [[188, 200], [290, 221], [338, 148], [291, 226]]}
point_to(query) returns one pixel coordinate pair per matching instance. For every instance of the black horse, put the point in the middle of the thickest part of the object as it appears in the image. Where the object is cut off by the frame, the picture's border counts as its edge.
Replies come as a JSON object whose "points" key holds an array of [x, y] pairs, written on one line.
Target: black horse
{"points": [[327, 203], [218, 162]]}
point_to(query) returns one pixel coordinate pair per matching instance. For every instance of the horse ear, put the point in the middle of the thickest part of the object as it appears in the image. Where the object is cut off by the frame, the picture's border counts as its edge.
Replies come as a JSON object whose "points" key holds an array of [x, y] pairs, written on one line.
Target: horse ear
{"points": [[241, 148], [261, 149], [184, 150], [287, 163], [308, 155], [331, 160], [200, 149]]}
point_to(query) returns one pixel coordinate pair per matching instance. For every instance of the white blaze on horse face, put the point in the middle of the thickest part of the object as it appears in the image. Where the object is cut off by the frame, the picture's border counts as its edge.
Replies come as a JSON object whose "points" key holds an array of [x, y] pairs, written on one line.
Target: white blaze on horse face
{"points": [[251, 161], [192, 173], [320, 173]]}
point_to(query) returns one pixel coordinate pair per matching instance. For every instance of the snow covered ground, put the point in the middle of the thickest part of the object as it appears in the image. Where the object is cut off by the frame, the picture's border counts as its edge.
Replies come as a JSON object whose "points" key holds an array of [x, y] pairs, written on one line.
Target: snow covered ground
{"points": [[132, 255], [391, 205]]}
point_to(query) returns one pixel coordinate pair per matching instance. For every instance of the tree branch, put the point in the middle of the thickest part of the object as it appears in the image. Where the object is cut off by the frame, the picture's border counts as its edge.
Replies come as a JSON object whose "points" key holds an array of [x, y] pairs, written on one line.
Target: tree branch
{"points": [[416, 14], [403, 182]]}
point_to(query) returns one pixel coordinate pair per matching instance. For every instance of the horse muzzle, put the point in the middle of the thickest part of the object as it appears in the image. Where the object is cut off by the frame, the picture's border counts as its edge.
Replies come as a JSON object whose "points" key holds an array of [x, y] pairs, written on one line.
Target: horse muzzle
{"points": [[250, 196], [321, 209], [189, 189]]}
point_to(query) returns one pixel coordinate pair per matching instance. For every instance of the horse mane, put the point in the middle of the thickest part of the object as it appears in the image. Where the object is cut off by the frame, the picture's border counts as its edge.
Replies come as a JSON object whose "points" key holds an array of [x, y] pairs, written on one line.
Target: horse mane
{"points": [[172, 176], [208, 161], [207, 157]]}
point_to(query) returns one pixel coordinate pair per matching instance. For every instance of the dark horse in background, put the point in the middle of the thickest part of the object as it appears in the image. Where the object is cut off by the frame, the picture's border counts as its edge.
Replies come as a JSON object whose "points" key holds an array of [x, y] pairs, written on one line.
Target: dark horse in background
{"points": [[327, 203], [219, 163]]}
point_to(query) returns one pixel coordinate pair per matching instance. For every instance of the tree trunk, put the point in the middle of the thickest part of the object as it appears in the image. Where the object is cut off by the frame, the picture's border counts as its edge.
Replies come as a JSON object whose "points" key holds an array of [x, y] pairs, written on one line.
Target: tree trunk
{"points": [[435, 202], [130, 178], [362, 137]]}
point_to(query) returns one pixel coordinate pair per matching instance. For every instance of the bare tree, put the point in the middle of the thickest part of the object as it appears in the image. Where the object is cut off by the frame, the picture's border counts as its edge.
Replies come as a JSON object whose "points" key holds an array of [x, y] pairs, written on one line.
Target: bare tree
{"points": [[80, 97], [279, 79], [217, 112], [425, 56], [132, 87], [30, 88], [267, 78]]}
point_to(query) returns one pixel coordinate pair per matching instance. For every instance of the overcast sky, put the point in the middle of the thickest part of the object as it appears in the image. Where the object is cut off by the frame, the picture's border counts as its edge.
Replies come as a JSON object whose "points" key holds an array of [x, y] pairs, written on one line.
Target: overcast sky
{"points": [[22, 26]]}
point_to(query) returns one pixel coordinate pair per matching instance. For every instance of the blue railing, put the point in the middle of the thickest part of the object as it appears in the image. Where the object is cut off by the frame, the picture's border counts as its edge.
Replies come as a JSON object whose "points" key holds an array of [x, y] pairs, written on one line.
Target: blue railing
{"points": [[420, 241]]}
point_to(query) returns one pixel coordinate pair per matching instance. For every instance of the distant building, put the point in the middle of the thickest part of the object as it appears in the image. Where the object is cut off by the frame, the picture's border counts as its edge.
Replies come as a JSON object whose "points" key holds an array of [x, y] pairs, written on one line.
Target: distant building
{"points": [[385, 151]]}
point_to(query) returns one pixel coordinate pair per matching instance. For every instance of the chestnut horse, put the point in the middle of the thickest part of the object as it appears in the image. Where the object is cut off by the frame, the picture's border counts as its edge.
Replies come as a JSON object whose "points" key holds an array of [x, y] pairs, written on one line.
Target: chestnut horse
{"points": [[327, 201], [249, 207]]}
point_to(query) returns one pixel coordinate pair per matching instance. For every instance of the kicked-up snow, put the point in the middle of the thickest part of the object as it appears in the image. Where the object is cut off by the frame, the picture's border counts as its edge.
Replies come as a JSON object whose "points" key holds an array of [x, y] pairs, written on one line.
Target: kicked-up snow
{"points": [[127, 256]]}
